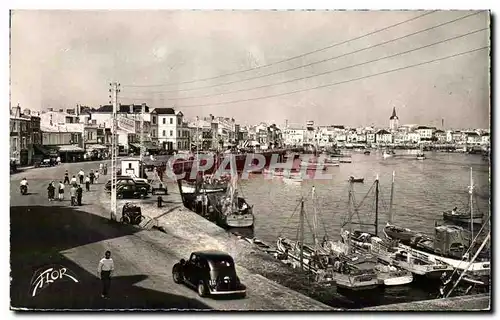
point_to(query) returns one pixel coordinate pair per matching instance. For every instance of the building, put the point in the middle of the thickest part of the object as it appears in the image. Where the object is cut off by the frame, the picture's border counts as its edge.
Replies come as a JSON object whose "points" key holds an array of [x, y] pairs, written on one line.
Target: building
{"points": [[19, 136], [473, 138], [383, 137], [201, 134], [485, 138], [426, 133], [413, 137], [440, 136], [293, 136], [393, 121], [173, 132]]}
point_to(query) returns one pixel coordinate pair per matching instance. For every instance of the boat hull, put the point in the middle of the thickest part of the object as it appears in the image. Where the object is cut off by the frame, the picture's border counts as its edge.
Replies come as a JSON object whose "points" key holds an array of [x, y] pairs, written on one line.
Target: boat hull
{"points": [[462, 218], [239, 220], [395, 281]]}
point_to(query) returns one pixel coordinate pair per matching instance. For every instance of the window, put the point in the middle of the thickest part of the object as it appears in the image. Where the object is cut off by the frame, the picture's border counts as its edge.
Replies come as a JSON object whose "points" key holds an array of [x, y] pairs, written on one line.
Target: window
{"points": [[153, 133], [171, 121], [164, 134], [14, 144], [23, 143], [171, 133], [179, 133], [179, 121], [154, 120], [164, 120]]}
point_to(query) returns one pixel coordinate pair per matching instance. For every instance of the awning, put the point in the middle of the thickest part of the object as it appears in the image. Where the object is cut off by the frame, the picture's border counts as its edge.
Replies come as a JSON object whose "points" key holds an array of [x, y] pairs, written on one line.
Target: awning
{"points": [[148, 145], [45, 151], [70, 148], [96, 147]]}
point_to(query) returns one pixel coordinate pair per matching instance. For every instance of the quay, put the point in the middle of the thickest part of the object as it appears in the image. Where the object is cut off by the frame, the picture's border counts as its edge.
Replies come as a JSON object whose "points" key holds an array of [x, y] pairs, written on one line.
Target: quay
{"points": [[464, 303]]}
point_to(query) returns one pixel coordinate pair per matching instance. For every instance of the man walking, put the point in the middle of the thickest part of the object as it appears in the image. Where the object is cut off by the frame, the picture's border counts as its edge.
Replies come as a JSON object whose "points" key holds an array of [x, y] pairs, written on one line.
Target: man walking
{"points": [[73, 180], [106, 268], [72, 193], [87, 183], [66, 177], [79, 193], [81, 175], [61, 191]]}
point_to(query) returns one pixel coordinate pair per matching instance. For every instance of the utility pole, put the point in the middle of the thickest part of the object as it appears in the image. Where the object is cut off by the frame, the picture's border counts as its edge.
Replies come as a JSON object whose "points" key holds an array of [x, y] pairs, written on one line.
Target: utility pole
{"points": [[114, 146], [142, 135]]}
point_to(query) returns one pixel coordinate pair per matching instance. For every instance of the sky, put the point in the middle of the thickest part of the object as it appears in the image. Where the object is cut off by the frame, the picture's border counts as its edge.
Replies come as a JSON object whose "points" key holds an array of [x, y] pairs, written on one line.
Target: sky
{"points": [[63, 58]]}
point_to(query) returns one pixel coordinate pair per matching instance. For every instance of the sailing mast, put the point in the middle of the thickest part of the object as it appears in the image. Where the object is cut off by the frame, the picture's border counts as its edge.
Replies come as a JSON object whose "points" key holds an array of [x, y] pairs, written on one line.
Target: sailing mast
{"points": [[301, 236], [376, 206], [392, 197], [471, 191], [349, 220], [315, 218]]}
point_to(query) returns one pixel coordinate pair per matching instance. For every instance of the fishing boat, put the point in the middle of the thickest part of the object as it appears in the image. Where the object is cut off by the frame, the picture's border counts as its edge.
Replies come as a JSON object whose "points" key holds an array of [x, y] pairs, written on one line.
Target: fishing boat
{"points": [[367, 152], [332, 162], [470, 217], [356, 180], [233, 210], [388, 153], [190, 187], [343, 270], [451, 245], [352, 244], [420, 154]]}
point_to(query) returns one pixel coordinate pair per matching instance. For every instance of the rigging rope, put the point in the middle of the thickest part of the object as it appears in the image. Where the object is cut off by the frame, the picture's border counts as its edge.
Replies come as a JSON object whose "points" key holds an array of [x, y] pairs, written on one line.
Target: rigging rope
{"points": [[288, 220]]}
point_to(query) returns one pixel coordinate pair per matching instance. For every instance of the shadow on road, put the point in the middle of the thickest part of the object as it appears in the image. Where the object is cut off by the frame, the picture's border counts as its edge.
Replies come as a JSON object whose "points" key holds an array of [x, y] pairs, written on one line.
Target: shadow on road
{"points": [[39, 234]]}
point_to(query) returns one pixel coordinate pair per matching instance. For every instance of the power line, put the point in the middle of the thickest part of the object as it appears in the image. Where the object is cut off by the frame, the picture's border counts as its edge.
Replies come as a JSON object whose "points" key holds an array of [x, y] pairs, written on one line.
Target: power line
{"points": [[328, 72], [320, 61], [332, 84], [288, 59]]}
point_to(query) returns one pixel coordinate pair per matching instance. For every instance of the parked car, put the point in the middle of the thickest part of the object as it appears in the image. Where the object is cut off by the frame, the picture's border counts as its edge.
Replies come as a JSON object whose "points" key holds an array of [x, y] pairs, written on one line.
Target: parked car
{"points": [[210, 273], [130, 190], [124, 179]]}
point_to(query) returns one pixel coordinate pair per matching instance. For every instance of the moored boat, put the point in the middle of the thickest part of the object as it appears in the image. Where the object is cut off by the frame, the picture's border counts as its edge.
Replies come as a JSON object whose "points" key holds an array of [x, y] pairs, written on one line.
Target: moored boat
{"points": [[354, 180]]}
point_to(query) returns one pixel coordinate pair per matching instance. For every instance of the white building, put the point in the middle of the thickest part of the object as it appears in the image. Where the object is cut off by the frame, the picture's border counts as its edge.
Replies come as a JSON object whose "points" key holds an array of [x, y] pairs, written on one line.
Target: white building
{"points": [[426, 133], [294, 136], [383, 136], [173, 132]]}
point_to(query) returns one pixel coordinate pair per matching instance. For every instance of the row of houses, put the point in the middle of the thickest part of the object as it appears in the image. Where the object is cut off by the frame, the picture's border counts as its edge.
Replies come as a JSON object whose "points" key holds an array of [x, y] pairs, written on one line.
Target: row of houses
{"points": [[77, 132], [411, 134]]}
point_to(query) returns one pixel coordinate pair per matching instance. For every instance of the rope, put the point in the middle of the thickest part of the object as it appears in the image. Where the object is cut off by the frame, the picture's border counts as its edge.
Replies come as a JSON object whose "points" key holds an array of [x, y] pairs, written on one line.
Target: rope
{"points": [[470, 247], [289, 218]]}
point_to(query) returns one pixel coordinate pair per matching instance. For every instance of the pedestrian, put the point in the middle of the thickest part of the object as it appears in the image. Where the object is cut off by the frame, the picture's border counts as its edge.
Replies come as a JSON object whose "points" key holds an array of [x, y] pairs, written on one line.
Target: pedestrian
{"points": [[66, 177], [58, 160], [72, 193], [105, 268], [73, 180], [105, 169], [87, 183], [97, 177], [51, 190], [91, 175], [100, 168], [81, 175], [61, 191], [79, 193]]}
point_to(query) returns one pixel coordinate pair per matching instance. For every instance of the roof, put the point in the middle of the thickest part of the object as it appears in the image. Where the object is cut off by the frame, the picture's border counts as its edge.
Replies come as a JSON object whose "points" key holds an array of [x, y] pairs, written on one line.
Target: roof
{"points": [[164, 111], [383, 132], [212, 254], [423, 127], [393, 116], [121, 108], [70, 148]]}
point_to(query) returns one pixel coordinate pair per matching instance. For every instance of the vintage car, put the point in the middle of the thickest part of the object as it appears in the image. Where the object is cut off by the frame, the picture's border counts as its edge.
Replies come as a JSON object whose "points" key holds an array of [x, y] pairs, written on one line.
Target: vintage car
{"points": [[125, 180], [210, 273]]}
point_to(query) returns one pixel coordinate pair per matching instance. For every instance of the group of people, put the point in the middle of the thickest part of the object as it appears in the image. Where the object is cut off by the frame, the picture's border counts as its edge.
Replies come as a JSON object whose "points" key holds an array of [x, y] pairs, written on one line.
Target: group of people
{"points": [[76, 190]]}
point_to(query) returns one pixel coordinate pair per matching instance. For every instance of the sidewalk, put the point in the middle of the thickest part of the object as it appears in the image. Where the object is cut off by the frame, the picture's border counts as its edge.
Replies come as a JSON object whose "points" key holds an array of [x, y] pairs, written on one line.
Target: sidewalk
{"points": [[188, 232]]}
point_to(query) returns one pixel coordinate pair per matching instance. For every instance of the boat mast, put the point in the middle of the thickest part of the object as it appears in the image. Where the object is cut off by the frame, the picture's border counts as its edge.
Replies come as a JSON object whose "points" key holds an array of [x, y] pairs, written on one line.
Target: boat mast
{"points": [[376, 206], [392, 195], [349, 220], [301, 236], [315, 217], [470, 263], [471, 191]]}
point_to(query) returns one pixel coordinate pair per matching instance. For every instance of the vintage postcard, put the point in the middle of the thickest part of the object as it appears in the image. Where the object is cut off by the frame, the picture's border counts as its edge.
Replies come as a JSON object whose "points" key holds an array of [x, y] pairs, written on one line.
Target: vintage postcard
{"points": [[271, 160]]}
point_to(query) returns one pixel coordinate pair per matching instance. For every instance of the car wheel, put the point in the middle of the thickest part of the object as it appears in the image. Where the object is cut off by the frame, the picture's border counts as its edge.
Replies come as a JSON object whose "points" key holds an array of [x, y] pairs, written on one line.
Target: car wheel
{"points": [[126, 219], [119, 195], [202, 290], [176, 276]]}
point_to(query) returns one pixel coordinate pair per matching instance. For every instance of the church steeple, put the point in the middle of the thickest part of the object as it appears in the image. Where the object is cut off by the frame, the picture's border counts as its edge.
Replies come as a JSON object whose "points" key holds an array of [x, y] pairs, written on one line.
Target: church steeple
{"points": [[394, 116]]}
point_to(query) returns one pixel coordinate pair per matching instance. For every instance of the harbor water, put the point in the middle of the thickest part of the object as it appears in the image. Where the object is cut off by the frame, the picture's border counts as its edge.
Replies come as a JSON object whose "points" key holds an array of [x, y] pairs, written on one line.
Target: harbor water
{"points": [[422, 191]]}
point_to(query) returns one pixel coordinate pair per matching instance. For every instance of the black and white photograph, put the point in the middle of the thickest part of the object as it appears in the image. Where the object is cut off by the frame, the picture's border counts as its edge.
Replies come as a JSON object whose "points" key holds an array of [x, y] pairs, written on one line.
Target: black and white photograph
{"points": [[250, 160]]}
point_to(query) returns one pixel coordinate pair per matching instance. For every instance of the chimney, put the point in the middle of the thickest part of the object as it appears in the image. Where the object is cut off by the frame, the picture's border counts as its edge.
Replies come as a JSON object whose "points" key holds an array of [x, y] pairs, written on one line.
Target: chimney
{"points": [[144, 107], [78, 109]]}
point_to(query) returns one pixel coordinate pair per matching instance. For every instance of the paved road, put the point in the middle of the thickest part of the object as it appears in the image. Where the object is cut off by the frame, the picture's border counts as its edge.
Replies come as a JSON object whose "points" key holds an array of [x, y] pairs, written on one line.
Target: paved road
{"points": [[44, 232]]}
